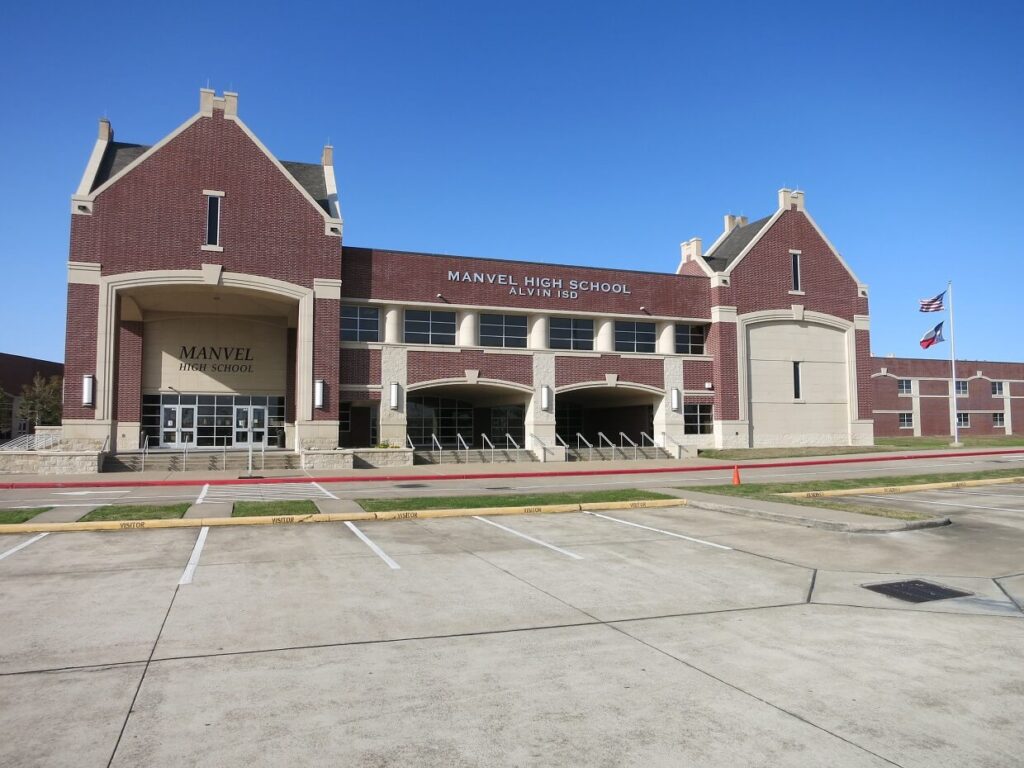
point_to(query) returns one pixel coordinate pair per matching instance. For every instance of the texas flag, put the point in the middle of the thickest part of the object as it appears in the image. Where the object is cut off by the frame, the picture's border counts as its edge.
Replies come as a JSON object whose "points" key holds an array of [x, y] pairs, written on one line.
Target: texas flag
{"points": [[934, 336]]}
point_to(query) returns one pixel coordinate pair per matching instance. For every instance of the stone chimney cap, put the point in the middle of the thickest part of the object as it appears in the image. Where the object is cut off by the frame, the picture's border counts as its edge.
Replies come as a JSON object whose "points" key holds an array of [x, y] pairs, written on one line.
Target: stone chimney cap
{"points": [[106, 132], [327, 158], [791, 199], [209, 101]]}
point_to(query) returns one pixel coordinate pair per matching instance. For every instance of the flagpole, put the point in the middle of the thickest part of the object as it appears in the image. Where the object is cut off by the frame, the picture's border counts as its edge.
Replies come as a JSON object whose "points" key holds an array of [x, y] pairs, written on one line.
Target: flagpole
{"points": [[952, 368]]}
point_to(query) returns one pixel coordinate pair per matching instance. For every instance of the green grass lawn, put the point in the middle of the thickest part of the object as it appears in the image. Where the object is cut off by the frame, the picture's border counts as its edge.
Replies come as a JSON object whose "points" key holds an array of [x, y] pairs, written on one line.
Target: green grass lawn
{"points": [[881, 444], [990, 441], [788, 453], [136, 512], [273, 508], [771, 491], [15, 516], [510, 500]]}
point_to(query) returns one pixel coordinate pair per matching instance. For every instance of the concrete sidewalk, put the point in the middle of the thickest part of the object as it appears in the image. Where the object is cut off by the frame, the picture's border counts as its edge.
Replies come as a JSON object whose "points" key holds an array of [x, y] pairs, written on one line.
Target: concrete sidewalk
{"points": [[511, 468]]}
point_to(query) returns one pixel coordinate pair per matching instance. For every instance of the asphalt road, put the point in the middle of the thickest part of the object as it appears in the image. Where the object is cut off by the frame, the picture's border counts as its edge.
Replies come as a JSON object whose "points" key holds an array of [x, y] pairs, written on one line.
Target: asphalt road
{"points": [[427, 485], [647, 637]]}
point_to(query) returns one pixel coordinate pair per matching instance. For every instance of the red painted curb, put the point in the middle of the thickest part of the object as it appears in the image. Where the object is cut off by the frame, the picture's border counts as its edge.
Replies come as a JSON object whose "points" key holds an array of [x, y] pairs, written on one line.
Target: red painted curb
{"points": [[497, 475]]}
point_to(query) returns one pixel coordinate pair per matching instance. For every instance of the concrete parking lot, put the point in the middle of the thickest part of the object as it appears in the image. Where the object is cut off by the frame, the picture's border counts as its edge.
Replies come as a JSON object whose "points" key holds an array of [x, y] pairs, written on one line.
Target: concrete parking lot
{"points": [[656, 637]]}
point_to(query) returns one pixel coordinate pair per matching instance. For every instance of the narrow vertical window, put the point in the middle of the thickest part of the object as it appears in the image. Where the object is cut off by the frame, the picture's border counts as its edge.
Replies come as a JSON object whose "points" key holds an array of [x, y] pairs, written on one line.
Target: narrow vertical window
{"points": [[796, 381], [212, 220], [795, 256]]}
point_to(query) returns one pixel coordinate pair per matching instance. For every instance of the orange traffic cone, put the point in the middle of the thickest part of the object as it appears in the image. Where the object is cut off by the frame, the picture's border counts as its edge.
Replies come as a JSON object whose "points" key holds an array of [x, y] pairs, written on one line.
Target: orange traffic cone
{"points": [[736, 475]]}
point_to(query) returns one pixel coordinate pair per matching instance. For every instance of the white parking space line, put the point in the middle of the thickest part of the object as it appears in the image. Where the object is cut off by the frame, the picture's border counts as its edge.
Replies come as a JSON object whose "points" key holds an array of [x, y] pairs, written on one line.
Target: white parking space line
{"points": [[573, 555], [946, 504], [377, 550], [658, 530], [193, 561], [202, 494], [88, 493], [23, 544], [325, 491]]}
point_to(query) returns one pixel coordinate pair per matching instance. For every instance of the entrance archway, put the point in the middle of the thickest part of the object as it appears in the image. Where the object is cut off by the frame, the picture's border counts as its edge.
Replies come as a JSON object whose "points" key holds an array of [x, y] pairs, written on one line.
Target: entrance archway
{"points": [[470, 411], [595, 410]]}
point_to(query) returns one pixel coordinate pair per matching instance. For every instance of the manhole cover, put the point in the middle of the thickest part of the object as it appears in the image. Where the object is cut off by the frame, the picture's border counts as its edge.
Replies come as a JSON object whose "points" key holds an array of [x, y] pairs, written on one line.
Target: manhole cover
{"points": [[411, 485], [916, 591]]}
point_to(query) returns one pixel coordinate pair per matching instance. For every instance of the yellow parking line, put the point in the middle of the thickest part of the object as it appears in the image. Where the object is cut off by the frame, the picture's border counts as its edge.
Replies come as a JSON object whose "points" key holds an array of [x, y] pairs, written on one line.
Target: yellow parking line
{"points": [[891, 489]]}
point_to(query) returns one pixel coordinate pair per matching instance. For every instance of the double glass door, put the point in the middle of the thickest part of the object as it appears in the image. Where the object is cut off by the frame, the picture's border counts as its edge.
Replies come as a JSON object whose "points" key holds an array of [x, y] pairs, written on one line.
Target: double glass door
{"points": [[250, 425], [178, 425]]}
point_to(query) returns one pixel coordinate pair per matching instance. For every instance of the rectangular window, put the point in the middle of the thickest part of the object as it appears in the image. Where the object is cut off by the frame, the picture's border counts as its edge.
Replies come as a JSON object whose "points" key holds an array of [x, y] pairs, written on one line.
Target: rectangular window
{"points": [[795, 256], [503, 331], [634, 337], [999, 420], [906, 421], [571, 333], [212, 220], [697, 419], [997, 389], [961, 388], [345, 417], [903, 386], [963, 420], [797, 384], [360, 323], [690, 339], [429, 327]]}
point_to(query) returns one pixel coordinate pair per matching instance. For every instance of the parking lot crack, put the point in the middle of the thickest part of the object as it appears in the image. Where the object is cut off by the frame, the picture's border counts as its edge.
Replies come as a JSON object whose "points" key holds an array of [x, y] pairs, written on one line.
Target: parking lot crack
{"points": [[754, 696], [1009, 597]]}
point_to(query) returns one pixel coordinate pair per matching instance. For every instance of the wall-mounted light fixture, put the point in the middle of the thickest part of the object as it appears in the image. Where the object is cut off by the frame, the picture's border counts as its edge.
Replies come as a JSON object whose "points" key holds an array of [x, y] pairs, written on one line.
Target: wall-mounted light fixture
{"points": [[89, 390], [708, 385], [676, 399], [394, 395], [318, 393], [545, 398]]}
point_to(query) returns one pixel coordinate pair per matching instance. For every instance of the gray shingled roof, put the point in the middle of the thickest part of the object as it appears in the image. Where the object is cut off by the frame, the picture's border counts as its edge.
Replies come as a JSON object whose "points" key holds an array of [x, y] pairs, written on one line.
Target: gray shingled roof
{"points": [[119, 155], [115, 159], [311, 177], [725, 254]]}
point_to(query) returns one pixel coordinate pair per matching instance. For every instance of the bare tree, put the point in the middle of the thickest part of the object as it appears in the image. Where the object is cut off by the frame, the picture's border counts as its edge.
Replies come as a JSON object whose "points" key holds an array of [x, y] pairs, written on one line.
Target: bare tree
{"points": [[41, 401]]}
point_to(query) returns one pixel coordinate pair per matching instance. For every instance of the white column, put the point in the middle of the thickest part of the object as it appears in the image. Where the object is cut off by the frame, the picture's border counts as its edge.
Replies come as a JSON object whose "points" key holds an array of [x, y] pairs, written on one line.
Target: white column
{"points": [[669, 423], [466, 329], [538, 329], [538, 422], [666, 338], [604, 334], [392, 325]]}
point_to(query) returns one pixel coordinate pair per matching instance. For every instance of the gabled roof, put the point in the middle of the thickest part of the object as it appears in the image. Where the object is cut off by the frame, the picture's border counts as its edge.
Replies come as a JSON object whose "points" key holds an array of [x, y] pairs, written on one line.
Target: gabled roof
{"points": [[311, 177], [119, 155], [721, 256]]}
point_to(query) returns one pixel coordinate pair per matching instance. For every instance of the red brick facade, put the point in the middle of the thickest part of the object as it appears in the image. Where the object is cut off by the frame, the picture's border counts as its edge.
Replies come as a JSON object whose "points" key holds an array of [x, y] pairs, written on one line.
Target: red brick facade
{"points": [[129, 372], [630, 370], [929, 396], [430, 366], [80, 348]]}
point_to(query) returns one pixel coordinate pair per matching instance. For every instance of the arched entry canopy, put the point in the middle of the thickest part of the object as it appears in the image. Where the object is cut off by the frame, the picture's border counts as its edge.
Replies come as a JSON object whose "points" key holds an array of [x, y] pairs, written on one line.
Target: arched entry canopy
{"points": [[448, 411], [610, 410]]}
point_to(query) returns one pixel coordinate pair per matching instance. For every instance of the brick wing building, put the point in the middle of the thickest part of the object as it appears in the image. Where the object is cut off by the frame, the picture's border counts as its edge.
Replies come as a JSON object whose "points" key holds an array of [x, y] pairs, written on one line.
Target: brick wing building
{"points": [[211, 304]]}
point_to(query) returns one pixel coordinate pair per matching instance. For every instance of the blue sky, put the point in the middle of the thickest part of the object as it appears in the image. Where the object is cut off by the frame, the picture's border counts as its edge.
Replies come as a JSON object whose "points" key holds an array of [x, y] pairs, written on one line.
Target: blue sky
{"points": [[597, 133]]}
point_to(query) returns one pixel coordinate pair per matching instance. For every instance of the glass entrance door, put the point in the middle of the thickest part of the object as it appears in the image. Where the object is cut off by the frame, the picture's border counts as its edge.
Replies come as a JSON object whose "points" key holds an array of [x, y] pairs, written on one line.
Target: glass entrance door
{"points": [[178, 425], [250, 425]]}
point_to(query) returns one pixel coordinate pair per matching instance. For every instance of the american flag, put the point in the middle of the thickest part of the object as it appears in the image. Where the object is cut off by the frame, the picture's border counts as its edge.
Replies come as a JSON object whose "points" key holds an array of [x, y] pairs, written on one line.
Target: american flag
{"points": [[932, 305]]}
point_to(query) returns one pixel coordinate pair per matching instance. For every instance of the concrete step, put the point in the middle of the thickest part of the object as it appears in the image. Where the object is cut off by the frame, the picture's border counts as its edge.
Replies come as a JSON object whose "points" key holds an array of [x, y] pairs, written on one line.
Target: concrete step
{"points": [[199, 461], [606, 453], [473, 456]]}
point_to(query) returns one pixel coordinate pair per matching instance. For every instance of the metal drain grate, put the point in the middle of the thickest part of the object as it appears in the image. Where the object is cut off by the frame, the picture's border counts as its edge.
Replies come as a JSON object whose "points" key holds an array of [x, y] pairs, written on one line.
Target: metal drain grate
{"points": [[916, 591], [410, 485]]}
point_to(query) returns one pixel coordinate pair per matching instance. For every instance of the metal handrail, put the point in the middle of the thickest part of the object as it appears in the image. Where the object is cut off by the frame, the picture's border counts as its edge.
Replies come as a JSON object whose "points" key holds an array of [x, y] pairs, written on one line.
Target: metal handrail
{"points": [[510, 439], [624, 436], [438, 448], [263, 455], [224, 454], [145, 451], [579, 437], [460, 441], [184, 456], [560, 439], [409, 442], [601, 436], [643, 436], [106, 443], [485, 440], [30, 442], [665, 441], [543, 448]]}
